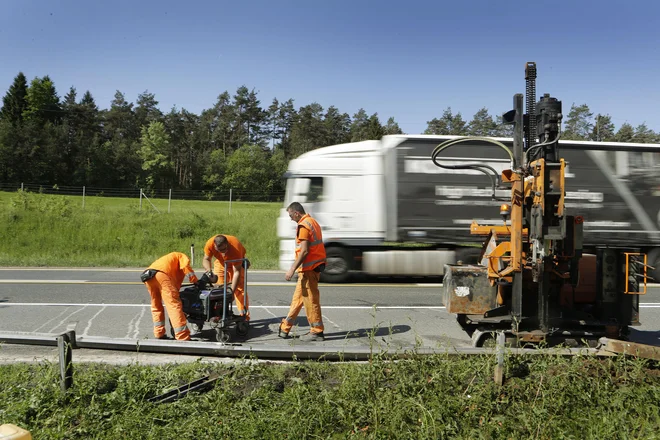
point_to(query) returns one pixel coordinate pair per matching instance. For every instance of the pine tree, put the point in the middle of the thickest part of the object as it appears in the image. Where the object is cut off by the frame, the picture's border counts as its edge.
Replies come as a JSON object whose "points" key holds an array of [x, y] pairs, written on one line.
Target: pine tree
{"points": [[14, 103]]}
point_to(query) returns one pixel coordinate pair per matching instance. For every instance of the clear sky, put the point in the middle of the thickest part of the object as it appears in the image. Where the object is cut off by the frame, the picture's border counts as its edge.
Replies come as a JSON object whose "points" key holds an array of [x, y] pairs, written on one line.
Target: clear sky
{"points": [[407, 59]]}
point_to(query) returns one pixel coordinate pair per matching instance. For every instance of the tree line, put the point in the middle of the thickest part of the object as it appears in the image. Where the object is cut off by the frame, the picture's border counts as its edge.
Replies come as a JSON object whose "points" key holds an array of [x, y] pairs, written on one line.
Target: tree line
{"points": [[237, 143]]}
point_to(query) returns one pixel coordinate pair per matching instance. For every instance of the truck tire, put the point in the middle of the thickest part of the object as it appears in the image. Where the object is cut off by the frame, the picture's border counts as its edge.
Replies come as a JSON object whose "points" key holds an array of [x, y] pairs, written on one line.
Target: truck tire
{"points": [[337, 265]]}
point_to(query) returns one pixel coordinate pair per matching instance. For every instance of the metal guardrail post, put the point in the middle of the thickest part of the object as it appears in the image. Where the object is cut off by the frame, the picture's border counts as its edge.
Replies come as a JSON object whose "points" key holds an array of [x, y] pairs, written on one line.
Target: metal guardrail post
{"points": [[499, 368], [65, 345]]}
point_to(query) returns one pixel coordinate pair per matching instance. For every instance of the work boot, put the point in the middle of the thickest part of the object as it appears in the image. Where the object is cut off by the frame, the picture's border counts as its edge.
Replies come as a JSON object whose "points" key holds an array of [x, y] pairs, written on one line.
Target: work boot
{"points": [[281, 333], [312, 337]]}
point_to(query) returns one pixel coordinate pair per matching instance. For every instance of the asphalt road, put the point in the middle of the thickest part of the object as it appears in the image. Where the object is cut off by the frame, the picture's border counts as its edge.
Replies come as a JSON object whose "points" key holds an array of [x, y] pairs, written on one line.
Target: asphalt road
{"points": [[113, 303]]}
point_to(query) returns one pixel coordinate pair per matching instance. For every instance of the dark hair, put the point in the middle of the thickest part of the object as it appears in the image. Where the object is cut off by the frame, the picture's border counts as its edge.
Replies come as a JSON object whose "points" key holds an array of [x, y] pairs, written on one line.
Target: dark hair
{"points": [[297, 207], [220, 240]]}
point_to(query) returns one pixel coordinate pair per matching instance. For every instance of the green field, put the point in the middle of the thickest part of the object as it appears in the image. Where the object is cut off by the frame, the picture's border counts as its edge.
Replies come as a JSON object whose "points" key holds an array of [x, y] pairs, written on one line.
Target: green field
{"points": [[434, 397], [54, 230]]}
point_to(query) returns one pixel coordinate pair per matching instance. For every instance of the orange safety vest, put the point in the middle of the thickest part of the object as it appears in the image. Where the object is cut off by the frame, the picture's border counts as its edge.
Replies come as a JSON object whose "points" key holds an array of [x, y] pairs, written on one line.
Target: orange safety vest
{"points": [[316, 255]]}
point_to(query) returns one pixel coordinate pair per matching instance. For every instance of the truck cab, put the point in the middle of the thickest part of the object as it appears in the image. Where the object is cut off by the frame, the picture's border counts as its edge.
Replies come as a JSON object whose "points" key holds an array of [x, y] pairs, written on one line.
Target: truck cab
{"points": [[342, 188]]}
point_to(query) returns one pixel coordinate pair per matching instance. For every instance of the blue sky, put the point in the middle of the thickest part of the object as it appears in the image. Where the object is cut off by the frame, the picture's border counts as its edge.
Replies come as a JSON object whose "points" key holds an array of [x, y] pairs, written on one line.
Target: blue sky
{"points": [[406, 59]]}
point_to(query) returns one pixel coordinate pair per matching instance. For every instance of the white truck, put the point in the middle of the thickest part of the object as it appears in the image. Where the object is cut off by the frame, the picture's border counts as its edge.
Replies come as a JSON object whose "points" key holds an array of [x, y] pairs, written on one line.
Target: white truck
{"points": [[386, 209]]}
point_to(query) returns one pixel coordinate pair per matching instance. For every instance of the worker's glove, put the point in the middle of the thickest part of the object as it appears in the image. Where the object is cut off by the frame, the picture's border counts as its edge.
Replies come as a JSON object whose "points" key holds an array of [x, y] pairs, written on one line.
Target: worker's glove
{"points": [[213, 278], [230, 291]]}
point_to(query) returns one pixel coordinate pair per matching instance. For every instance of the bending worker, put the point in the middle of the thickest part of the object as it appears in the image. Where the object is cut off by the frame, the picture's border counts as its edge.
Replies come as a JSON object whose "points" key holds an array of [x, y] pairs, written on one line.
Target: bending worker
{"points": [[163, 279], [228, 248], [309, 262]]}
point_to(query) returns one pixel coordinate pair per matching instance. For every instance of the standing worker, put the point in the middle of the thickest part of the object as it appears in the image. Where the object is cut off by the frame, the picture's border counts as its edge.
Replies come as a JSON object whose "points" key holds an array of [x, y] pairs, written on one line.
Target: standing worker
{"points": [[228, 248], [163, 279], [309, 262]]}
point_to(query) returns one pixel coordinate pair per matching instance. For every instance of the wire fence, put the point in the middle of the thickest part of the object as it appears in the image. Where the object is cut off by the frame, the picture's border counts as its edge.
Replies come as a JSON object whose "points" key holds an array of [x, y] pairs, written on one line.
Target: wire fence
{"points": [[168, 194]]}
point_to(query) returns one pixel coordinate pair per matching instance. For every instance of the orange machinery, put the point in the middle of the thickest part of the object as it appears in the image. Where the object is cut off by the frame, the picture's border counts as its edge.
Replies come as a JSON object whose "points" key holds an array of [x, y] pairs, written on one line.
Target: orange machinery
{"points": [[533, 281]]}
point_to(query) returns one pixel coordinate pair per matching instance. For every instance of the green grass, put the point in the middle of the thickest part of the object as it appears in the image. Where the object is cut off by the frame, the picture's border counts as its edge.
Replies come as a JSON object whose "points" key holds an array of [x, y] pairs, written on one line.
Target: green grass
{"points": [[433, 397], [54, 230]]}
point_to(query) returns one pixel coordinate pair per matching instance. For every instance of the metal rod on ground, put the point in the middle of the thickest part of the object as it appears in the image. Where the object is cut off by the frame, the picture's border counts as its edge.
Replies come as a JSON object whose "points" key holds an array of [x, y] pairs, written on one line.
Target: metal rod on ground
{"points": [[169, 201], [229, 201], [266, 351], [83, 197], [192, 255], [140, 199], [21, 186], [65, 349]]}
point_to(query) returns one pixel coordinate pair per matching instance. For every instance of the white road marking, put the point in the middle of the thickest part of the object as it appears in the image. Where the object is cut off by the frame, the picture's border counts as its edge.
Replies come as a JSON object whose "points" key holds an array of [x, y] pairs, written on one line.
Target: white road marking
{"points": [[89, 322], [251, 306], [43, 281], [65, 320], [266, 309], [51, 320], [132, 322], [250, 283], [98, 269], [137, 324], [328, 319], [643, 305]]}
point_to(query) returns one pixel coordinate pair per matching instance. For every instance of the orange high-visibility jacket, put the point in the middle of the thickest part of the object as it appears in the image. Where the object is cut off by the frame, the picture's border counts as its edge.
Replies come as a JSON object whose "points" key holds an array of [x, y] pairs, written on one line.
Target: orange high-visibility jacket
{"points": [[175, 265], [309, 229], [235, 250]]}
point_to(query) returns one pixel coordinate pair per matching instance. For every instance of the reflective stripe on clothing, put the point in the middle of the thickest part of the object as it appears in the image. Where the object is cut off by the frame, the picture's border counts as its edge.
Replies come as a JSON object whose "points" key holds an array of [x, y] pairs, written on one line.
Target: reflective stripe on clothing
{"points": [[307, 295], [312, 263], [162, 290]]}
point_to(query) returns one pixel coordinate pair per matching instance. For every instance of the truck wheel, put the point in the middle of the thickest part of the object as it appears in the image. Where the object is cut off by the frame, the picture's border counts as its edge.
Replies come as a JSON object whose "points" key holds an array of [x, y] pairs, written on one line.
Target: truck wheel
{"points": [[653, 260], [337, 265]]}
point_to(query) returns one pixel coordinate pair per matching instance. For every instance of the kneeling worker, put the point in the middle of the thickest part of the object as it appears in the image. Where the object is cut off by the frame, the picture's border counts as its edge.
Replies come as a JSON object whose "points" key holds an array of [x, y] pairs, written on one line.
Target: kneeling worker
{"points": [[163, 279], [228, 248]]}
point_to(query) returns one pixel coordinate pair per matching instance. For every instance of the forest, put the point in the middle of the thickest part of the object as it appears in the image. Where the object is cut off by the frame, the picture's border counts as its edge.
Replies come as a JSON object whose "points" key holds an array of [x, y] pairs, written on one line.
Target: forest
{"points": [[238, 144]]}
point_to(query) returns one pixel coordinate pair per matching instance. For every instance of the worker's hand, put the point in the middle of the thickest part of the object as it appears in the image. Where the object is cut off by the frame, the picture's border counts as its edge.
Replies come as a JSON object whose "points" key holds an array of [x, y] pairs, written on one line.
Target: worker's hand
{"points": [[213, 278], [289, 274]]}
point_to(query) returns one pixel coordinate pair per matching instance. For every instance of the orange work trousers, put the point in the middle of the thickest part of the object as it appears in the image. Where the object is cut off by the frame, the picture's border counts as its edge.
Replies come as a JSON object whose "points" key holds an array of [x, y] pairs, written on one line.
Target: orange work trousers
{"points": [[239, 294], [162, 290], [306, 294]]}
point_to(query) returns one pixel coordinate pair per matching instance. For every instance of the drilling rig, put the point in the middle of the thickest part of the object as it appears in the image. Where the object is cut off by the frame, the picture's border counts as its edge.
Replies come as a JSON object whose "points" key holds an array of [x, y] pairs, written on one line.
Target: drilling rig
{"points": [[533, 282]]}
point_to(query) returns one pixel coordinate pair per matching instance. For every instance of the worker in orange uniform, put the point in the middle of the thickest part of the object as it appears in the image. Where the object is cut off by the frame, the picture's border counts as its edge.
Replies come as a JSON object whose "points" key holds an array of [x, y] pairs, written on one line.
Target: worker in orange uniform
{"points": [[163, 279], [228, 248], [309, 262]]}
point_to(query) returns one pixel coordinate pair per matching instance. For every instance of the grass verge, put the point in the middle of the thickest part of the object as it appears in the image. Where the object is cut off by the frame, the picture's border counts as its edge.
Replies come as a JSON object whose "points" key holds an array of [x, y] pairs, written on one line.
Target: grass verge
{"points": [[53, 230], [427, 397]]}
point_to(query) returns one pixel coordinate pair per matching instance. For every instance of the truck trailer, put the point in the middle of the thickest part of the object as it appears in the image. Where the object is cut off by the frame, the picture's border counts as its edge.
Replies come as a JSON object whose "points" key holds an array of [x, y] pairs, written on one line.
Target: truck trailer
{"points": [[387, 210]]}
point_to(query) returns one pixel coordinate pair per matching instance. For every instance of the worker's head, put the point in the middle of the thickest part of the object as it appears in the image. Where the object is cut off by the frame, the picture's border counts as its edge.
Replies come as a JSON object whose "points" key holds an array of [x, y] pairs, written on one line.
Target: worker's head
{"points": [[221, 244], [295, 211]]}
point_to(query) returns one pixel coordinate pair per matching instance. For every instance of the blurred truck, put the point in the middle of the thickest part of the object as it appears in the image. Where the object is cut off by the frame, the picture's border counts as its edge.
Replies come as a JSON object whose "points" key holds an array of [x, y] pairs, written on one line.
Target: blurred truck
{"points": [[387, 210]]}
